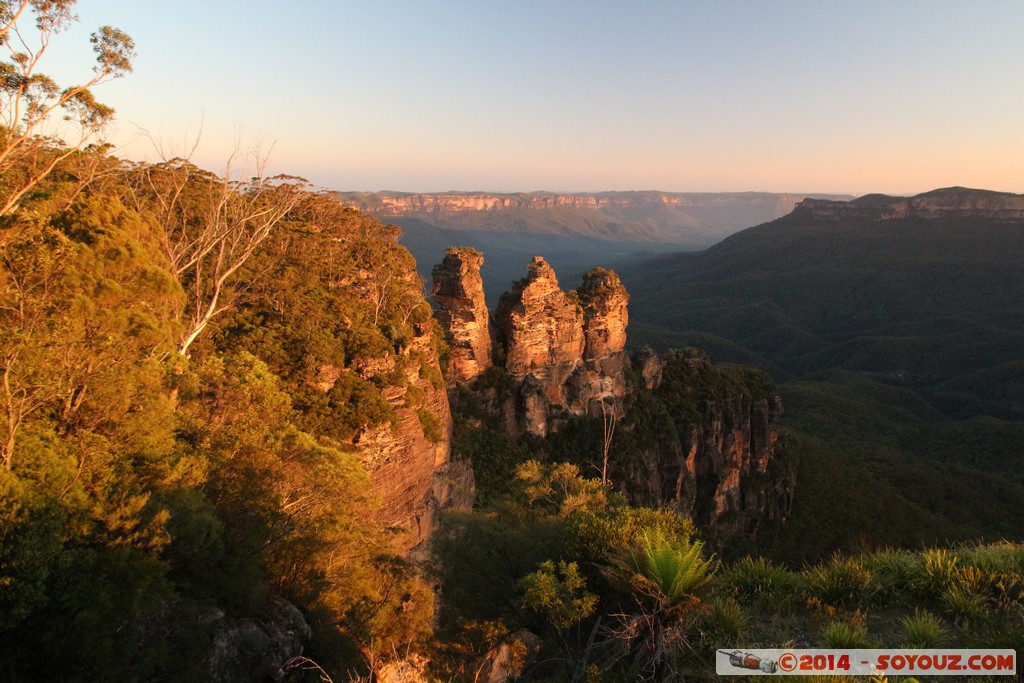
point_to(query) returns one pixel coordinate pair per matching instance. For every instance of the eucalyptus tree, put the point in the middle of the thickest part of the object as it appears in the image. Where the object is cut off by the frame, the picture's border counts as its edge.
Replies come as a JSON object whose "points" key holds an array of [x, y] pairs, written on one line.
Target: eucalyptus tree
{"points": [[41, 122]]}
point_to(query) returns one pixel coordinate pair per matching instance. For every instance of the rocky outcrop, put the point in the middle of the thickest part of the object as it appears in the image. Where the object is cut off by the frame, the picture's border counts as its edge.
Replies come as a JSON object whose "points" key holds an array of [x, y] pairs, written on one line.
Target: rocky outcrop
{"points": [[734, 447], [710, 449], [563, 349], [605, 316], [508, 659], [702, 440], [263, 646], [462, 312], [541, 330], [958, 201], [600, 381], [406, 460], [651, 367], [258, 648]]}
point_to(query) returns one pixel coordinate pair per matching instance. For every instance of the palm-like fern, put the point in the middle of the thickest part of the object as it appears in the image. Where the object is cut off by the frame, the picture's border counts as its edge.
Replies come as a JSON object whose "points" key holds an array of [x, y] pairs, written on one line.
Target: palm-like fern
{"points": [[670, 570], [665, 575]]}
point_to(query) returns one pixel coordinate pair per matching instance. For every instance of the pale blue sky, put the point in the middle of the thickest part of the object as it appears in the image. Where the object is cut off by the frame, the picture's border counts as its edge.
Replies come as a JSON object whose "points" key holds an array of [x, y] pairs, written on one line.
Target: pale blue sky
{"points": [[896, 97]]}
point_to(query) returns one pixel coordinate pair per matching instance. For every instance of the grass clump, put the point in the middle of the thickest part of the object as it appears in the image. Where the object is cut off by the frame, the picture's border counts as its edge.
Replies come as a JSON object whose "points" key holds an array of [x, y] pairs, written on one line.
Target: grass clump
{"points": [[844, 581], [938, 573], [725, 622], [758, 579], [843, 634], [964, 605], [894, 573], [923, 629]]}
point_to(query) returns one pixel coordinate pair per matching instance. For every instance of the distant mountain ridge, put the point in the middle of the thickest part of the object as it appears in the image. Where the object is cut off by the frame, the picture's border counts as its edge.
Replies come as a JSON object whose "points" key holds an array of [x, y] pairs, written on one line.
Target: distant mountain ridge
{"points": [[925, 291], [692, 219], [945, 202], [575, 231]]}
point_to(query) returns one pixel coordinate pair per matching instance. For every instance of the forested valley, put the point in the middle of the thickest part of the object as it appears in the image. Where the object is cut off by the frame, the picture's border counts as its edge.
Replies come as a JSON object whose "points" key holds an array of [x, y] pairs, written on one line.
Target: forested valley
{"points": [[233, 448]]}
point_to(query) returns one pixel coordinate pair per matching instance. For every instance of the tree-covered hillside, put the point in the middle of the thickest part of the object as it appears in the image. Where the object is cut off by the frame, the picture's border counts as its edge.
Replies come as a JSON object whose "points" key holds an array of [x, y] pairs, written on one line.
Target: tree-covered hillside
{"points": [[187, 362], [935, 304], [897, 344]]}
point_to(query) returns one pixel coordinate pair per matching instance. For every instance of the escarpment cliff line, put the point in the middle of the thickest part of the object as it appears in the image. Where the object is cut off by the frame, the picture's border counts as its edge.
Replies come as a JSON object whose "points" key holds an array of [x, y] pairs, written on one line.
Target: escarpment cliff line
{"points": [[403, 203], [951, 201], [685, 218]]}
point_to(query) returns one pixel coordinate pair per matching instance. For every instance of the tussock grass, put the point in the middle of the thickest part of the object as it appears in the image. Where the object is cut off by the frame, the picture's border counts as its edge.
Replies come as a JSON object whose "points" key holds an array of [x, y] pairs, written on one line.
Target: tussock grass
{"points": [[844, 581], [923, 629], [842, 634], [956, 597]]}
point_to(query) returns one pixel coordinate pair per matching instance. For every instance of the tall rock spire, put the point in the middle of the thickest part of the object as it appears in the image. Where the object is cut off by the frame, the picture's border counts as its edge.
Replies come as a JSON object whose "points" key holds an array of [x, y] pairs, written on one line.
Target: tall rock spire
{"points": [[459, 293]]}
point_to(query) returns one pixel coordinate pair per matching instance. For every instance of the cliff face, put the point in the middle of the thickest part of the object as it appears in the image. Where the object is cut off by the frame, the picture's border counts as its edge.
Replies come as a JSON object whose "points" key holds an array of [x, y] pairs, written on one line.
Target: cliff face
{"points": [[407, 460], [959, 201], [713, 453], [395, 356], [695, 219], [401, 204], [462, 312]]}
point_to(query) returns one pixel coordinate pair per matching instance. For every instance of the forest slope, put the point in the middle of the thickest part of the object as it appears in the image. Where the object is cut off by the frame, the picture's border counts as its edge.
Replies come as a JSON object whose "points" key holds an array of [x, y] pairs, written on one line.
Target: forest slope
{"points": [[895, 326]]}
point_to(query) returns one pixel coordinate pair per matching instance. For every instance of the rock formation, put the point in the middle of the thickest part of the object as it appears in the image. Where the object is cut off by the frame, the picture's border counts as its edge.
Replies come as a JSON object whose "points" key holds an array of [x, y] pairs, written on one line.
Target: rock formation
{"points": [[600, 381], [406, 461], [716, 456], [540, 328], [564, 350], [462, 311], [258, 648], [605, 316], [704, 439]]}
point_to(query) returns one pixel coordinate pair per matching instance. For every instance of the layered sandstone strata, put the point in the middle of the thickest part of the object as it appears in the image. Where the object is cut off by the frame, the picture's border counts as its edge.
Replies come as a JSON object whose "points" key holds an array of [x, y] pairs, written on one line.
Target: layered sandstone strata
{"points": [[407, 461], [541, 330], [599, 383], [462, 312], [564, 350]]}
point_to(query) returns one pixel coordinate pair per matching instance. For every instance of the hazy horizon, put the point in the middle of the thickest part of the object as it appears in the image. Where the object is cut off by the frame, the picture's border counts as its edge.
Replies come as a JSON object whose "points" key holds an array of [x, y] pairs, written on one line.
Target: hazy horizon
{"points": [[801, 97]]}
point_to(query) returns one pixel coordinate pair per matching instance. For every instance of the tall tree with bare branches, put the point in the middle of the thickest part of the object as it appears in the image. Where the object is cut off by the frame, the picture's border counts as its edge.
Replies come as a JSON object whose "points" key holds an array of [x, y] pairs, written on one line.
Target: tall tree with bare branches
{"points": [[41, 123], [210, 226]]}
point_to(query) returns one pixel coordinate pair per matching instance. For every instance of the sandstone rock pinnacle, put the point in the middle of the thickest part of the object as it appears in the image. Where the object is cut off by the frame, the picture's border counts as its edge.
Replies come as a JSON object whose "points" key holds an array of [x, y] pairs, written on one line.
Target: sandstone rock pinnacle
{"points": [[605, 317], [541, 328], [459, 293], [564, 349]]}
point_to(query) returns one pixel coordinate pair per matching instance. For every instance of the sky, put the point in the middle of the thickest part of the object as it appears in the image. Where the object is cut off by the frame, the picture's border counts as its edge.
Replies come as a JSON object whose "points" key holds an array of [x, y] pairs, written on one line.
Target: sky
{"points": [[840, 96]]}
